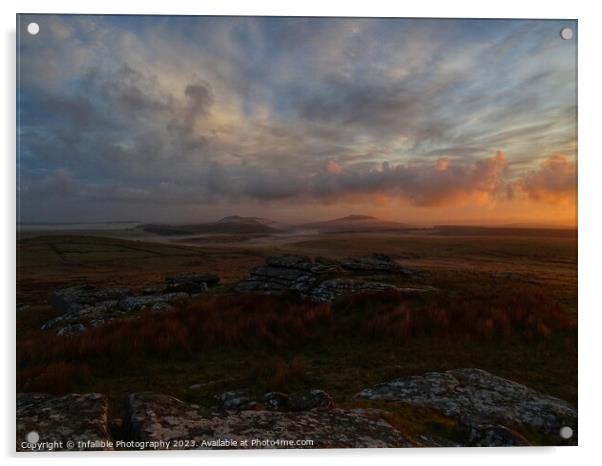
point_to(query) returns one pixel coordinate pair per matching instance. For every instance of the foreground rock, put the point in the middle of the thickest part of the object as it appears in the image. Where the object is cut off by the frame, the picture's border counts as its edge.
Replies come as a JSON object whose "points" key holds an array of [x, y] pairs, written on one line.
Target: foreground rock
{"points": [[309, 399], [153, 417], [488, 407], [304, 400], [236, 400], [55, 420], [320, 281]]}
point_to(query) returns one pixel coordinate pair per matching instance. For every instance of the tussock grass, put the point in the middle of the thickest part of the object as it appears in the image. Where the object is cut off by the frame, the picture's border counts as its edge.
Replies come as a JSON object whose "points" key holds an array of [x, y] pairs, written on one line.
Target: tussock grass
{"points": [[487, 316], [54, 364]]}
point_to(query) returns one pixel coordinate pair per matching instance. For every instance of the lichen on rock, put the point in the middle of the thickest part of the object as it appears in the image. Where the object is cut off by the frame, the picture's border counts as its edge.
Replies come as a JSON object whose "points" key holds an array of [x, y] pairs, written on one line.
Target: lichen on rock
{"points": [[488, 407], [323, 280], [73, 417], [154, 417]]}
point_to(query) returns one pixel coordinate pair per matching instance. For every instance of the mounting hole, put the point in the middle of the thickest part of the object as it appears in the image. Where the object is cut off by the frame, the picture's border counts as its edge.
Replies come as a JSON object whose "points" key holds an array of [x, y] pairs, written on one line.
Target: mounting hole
{"points": [[566, 432], [33, 28], [566, 33], [33, 437]]}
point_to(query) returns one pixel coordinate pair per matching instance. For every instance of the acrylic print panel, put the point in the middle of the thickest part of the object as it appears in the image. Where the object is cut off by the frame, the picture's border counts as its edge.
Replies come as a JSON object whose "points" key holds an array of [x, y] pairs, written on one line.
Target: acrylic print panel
{"points": [[270, 232]]}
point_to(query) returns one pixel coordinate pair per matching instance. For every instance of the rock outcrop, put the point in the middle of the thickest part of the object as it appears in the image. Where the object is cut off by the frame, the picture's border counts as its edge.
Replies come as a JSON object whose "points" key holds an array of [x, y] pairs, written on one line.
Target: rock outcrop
{"points": [[47, 422], [85, 314], [330, 290], [191, 283], [159, 302], [373, 264], [286, 273], [86, 306], [323, 280], [76, 298], [153, 417], [487, 407]]}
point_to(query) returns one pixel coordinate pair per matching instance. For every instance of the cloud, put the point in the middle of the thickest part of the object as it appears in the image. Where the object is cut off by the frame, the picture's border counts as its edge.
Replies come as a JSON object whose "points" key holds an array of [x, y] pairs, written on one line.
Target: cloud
{"points": [[57, 184], [387, 110], [477, 183], [442, 164], [198, 111], [481, 182], [554, 181], [130, 91], [333, 168], [199, 99]]}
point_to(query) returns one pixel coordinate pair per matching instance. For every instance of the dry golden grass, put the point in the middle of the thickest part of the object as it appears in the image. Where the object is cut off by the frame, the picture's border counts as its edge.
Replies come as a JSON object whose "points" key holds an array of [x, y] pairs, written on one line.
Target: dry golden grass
{"points": [[522, 327], [486, 317], [230, 321]]}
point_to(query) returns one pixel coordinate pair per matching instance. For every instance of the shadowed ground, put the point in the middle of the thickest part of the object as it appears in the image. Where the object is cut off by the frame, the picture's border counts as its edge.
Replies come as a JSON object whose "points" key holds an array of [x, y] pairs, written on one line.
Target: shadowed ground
{"points": [[354, 346]]}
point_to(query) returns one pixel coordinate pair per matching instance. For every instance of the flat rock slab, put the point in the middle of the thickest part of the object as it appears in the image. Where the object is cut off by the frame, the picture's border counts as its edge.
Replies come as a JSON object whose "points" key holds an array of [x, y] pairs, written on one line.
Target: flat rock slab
{"points": [[487, 406], [60, 419], [156, 417]]}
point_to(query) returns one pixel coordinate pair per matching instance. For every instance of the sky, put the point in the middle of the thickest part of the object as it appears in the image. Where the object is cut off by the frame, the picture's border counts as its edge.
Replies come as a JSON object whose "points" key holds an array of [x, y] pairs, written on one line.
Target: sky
{"points": [[189, 119]]}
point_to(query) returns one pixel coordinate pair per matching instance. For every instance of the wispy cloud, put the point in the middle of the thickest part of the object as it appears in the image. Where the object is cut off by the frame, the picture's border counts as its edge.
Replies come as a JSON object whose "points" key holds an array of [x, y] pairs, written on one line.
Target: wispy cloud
{"points": [[210, 112]]}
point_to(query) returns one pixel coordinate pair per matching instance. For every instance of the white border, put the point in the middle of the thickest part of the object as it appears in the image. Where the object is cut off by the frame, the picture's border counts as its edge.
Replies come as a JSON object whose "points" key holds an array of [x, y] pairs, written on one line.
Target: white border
{"points": [[590, 231]]}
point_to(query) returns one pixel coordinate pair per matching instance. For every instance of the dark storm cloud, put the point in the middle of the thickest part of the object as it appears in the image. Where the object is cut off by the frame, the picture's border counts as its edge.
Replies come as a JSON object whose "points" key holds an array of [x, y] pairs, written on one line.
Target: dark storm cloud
{"points": [[129, 90], [117, 126], [200, 99], [181, 128]]}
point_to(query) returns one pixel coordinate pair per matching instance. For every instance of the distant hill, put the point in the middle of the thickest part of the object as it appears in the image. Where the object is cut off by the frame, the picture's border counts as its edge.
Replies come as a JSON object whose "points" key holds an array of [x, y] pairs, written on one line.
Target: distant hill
{"points": [[356, 224], [233, 224]]}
